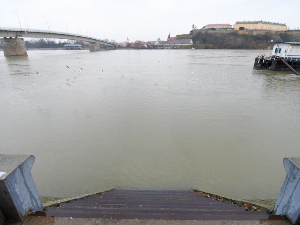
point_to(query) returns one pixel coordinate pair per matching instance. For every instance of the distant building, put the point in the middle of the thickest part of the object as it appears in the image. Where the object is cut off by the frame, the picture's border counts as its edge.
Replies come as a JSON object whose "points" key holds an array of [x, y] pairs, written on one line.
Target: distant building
{"points": [[218, 26], [139, 44], [171, 38], [151, 43], [260, 25], [122, 44]]}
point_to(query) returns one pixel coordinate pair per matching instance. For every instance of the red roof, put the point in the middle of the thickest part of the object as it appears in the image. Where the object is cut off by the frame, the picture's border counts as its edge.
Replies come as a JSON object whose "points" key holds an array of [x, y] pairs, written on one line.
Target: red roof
{"points": [[171, 38], [218, 25]]}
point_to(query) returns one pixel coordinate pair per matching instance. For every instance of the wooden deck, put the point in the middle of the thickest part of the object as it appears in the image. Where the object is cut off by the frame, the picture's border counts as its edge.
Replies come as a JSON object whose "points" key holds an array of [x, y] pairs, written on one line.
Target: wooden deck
{"points": [[150, 204]]}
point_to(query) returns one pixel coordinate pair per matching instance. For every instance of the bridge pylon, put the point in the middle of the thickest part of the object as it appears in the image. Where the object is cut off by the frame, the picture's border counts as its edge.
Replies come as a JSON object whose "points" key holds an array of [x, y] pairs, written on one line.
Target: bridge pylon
{"points": [[94, 46], [13, 47]]}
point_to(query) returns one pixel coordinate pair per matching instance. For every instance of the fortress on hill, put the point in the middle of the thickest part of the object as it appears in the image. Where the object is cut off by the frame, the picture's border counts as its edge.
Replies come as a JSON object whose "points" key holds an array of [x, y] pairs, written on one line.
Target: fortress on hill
{"points": [[248, 25], [242, 27], [260, 25]]}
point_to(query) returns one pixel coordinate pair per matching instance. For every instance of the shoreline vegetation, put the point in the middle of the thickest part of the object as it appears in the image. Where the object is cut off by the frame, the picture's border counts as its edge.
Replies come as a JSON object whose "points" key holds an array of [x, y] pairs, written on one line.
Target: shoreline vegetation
{"points": [[233, 40]]}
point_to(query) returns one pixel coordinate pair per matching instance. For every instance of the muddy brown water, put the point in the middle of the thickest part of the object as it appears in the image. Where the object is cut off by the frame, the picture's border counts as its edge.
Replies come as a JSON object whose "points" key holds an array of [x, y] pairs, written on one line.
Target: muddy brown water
{"points": [[150, 119]]}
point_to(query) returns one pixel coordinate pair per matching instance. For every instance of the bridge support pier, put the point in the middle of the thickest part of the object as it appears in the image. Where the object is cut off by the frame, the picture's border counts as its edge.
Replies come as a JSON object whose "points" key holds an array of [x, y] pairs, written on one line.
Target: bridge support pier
{"points": [[94, 46], [13, 47]]}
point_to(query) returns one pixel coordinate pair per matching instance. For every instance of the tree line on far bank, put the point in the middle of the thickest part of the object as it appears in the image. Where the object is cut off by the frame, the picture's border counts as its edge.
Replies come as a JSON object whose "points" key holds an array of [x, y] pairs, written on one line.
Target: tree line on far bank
{"points": [[239, 41], [49, 43]]}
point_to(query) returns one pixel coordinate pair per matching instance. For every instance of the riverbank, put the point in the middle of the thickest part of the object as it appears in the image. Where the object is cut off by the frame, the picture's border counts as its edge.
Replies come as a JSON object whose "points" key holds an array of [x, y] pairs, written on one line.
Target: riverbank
{"points": [[241, 40]]}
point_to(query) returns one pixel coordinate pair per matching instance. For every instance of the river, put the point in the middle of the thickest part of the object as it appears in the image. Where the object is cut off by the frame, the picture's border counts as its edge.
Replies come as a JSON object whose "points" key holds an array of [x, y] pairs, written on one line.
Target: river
{"points": [[150, 119]]}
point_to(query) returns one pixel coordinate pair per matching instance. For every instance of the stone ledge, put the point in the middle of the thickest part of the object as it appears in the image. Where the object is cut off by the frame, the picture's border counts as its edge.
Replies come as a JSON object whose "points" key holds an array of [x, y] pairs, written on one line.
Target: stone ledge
{"points": [[257, 203], [65, 200]]}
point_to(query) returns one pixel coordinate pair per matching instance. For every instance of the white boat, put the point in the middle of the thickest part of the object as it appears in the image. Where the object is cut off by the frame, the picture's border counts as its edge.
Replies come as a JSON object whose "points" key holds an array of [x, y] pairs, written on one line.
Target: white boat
{"points": [[72, 47]]}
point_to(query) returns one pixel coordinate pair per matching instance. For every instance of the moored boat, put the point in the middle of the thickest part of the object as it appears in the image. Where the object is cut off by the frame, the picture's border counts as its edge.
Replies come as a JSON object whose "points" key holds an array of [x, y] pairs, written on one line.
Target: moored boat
{"points": [[284, 55], [72, 47]]}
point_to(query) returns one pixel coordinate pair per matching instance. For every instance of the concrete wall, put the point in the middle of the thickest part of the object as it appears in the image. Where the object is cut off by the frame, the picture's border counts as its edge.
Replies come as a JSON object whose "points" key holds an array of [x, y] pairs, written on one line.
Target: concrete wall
{"points": [[294, 32], [288, 202], [18, 194], [13, 47], [254, 32], [184, 36], [94, 47]]}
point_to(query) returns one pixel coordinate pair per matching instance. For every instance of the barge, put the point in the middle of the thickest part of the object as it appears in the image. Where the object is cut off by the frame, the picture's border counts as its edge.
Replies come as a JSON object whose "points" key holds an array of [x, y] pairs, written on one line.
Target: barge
{"points": [[285, 56]]}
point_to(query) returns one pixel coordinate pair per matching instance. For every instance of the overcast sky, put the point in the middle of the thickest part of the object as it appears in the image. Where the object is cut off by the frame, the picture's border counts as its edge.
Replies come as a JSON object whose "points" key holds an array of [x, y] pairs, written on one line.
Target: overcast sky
{"points": [[139, 19]]}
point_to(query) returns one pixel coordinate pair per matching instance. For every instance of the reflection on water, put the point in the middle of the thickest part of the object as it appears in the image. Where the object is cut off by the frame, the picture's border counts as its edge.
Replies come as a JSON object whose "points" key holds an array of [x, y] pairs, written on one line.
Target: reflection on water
{"points": [[150, 119]]}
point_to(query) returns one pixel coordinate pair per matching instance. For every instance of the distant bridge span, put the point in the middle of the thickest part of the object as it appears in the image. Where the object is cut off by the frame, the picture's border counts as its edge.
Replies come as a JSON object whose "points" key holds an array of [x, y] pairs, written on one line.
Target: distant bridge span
{"points": [[13, 43]]}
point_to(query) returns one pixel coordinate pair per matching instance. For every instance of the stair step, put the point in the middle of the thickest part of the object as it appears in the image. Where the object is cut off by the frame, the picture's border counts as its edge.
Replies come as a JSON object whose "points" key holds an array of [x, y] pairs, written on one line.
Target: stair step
{"points": [[147, 204], [158, 216]]}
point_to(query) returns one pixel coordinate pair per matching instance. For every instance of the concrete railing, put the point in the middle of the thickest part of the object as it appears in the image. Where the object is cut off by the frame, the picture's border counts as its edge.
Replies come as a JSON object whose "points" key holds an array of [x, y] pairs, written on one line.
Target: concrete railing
{"points": [[288, 202], [18, 194]]}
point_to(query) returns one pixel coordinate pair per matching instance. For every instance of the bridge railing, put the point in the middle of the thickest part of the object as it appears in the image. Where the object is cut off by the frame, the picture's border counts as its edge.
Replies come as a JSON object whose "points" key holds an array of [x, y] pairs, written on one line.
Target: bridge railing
{"points": [[53, 32]]}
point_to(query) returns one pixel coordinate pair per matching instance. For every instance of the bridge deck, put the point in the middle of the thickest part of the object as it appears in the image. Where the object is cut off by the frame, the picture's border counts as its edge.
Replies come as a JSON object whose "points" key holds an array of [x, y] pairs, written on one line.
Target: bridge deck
{"points": [[162, 205], [32, 33]]}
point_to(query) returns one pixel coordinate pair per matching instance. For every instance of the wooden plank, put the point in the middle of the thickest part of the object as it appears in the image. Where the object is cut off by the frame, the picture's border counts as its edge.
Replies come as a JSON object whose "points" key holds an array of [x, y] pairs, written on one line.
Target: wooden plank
{"points": [[146, 201], [179, 198], [158, 203], [165, 206], [147, 204], [145, 193], [156, 216], [159, 211]]}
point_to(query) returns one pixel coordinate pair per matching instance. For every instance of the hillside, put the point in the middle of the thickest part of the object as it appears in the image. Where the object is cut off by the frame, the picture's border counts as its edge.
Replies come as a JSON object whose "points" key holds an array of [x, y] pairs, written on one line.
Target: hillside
{"points": [[233, 40]]}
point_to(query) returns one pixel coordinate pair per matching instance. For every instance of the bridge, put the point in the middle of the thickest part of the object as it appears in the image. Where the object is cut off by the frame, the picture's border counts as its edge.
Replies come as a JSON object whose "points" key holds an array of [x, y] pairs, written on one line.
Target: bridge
{"points": [[13, 43]]}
